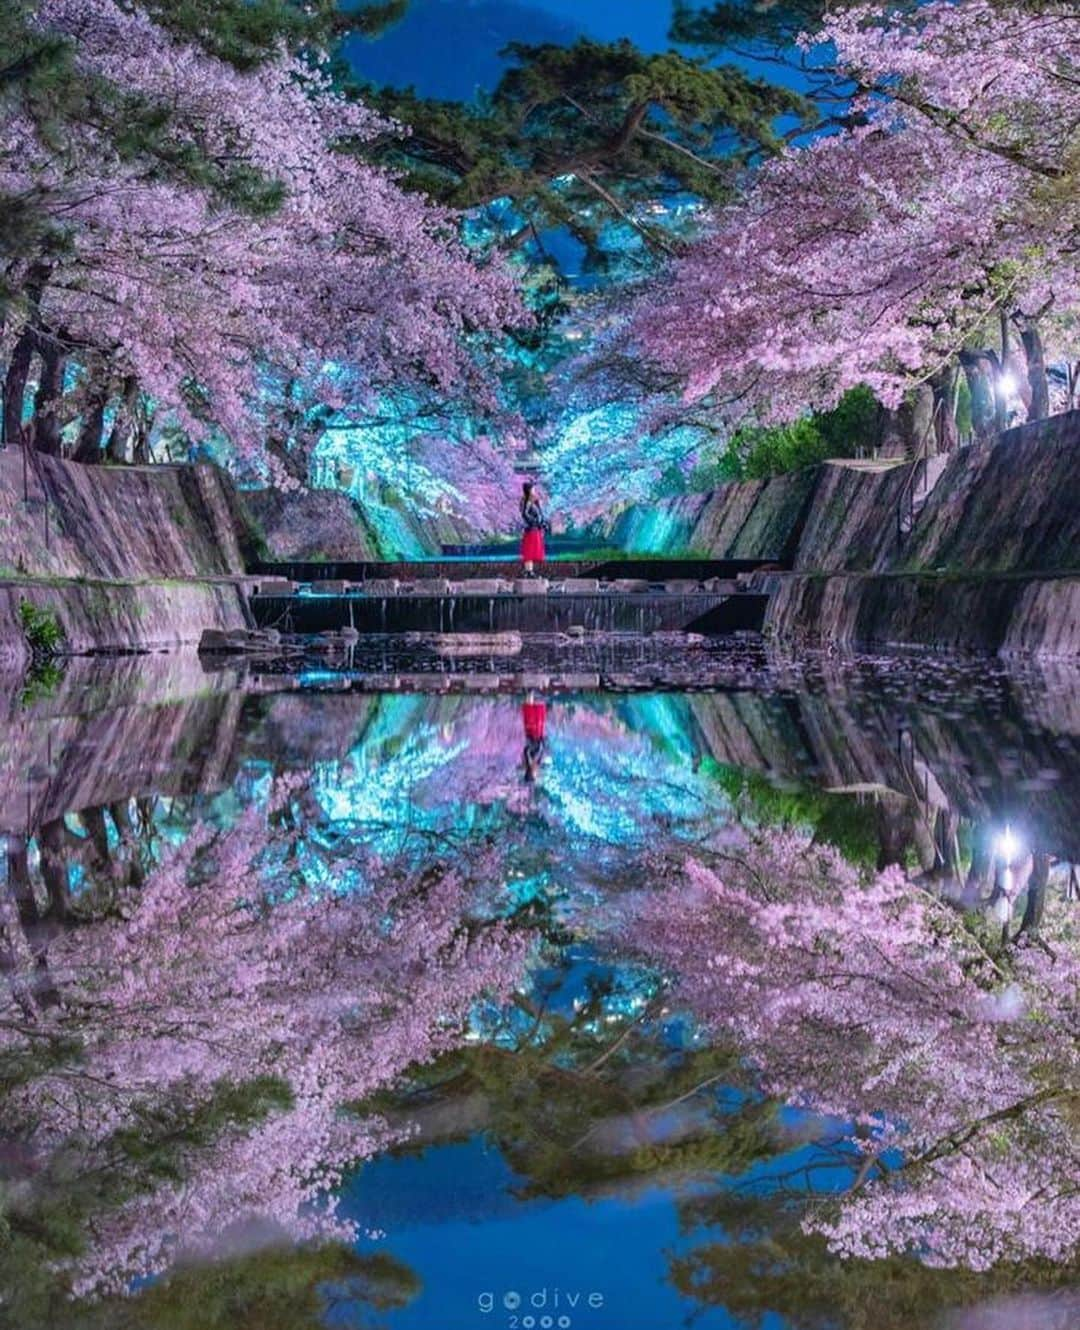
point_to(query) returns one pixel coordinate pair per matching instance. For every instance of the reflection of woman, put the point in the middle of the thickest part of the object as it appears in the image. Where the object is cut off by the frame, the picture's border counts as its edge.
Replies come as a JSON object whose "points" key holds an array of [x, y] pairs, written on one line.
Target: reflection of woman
{"points": [[535, 524], [534, 721]]}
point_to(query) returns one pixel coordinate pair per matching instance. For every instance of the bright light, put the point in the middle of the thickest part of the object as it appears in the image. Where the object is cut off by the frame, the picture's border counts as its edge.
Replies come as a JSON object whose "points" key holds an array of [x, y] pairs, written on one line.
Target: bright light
{"points": [[1007, 383], [1007, 846]]}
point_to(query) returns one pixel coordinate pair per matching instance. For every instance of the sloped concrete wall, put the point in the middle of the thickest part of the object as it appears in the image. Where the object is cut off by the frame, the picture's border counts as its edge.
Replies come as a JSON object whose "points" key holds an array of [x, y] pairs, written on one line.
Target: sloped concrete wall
{"points": [[117, 616], [328, 525], [1013, 505], [851, 522], [63, 519], [1002, 614], [307, 524], [754, 519]]}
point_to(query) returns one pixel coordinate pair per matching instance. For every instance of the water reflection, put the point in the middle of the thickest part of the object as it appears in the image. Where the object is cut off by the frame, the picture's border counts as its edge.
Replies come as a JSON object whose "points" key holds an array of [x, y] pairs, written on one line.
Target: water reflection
{"points": [[565, 959]]}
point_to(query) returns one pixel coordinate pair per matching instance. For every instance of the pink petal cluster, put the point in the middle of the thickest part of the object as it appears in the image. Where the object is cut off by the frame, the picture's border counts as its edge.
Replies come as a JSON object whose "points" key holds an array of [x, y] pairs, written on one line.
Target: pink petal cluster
{"points": [[202, 303], [871, 1001], [222, 967], [873, 254]]}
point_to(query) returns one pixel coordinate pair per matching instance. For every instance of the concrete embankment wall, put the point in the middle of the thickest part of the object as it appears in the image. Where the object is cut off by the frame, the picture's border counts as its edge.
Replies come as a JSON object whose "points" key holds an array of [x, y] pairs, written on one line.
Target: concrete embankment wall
{"points": [[307, 524], [756, 519], [61, 519], [118, 616], [122, 558], [1013, 505], [114, 729], [139, 558], [997, 511], [1007, 614]]}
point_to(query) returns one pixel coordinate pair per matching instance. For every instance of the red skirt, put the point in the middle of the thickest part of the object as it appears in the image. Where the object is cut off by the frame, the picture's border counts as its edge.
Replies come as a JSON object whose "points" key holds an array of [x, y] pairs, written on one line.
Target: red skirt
{"points": [[532, 547], [534, 719]]}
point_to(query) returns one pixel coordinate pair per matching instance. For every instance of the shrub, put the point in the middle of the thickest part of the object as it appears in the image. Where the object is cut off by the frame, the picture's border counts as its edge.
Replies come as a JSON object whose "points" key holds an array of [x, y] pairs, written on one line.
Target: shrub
{"points": [[757, 451], [42, 629]]}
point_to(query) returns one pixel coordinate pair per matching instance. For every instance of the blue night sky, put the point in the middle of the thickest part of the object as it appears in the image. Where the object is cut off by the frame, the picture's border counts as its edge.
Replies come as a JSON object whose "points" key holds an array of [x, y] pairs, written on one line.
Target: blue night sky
{"points": [[449, 48]]}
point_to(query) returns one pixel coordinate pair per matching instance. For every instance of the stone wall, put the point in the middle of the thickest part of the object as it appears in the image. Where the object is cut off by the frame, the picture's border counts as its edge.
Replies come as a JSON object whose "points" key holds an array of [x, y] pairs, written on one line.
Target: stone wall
{"points": [[295, 526], [755, 519], [995, 512], [850, 523], [1012, 505], [1004, 614], [62, 519], [307, 524], [119, 616]]}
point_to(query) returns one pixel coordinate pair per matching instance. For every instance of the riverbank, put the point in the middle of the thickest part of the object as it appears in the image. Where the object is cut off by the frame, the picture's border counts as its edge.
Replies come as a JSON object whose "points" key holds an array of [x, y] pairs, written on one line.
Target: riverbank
{"points": [[67, 616], [1006, 614], [977, 551]]}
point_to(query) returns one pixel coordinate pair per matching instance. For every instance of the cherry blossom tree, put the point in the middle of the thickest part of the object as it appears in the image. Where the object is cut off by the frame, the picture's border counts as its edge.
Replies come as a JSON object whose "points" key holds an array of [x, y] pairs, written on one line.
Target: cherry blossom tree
{"points": [[237, 965], [882, 253], [245, 248], [871, 1001]]}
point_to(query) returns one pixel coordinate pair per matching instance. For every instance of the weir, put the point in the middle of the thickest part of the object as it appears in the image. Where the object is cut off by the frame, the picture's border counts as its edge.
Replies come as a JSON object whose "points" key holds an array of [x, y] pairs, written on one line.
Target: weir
{"points": [[703, 596], [503, 565]]}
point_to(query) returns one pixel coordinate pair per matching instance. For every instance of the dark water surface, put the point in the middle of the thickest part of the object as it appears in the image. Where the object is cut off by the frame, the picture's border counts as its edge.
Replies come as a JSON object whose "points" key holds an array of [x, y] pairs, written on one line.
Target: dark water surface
{"points": [[576, 1150]]}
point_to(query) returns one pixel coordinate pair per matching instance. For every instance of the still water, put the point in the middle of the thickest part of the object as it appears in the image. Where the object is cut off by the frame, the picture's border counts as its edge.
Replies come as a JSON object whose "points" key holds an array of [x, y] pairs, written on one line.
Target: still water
{"points": [[433, 993]]}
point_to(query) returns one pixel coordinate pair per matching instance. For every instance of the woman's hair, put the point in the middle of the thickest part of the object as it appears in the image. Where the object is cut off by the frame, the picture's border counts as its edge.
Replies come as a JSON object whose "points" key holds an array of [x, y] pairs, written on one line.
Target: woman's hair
{"points": [[527, 488]]}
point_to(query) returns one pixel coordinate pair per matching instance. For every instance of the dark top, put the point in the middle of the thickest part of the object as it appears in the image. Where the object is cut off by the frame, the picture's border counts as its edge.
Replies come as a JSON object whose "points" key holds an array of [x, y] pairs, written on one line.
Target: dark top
{"points": [[532, 515]]}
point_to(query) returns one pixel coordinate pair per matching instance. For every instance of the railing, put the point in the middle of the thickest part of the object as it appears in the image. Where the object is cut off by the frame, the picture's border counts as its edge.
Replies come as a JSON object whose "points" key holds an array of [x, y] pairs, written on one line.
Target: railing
{"points": [[905, 503]]}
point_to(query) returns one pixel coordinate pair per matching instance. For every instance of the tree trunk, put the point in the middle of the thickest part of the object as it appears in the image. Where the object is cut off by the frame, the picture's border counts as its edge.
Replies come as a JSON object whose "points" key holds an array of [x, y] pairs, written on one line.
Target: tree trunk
{"points": [[982, 371], [1036, 369], [49, 391], [88, 444], [18, 369], [944, 385], [140, 451], [116, 447]]}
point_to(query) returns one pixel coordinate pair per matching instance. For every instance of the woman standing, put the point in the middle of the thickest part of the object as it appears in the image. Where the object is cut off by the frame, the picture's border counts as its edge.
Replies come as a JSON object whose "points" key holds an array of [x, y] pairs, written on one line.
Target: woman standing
{"points": [[535, 523]]}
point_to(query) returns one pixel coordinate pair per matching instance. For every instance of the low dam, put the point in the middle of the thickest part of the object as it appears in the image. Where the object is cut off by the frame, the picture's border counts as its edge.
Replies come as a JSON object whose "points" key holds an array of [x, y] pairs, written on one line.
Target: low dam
{"points": [[708, 596]]}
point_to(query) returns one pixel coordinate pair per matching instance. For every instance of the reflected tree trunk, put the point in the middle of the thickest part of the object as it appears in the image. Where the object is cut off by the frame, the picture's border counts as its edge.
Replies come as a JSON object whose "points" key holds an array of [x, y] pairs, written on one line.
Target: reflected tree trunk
{"points": [[980, 876], [52, 845], [19, 883], [93, 819], [1035, 906], [895, 831]]}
